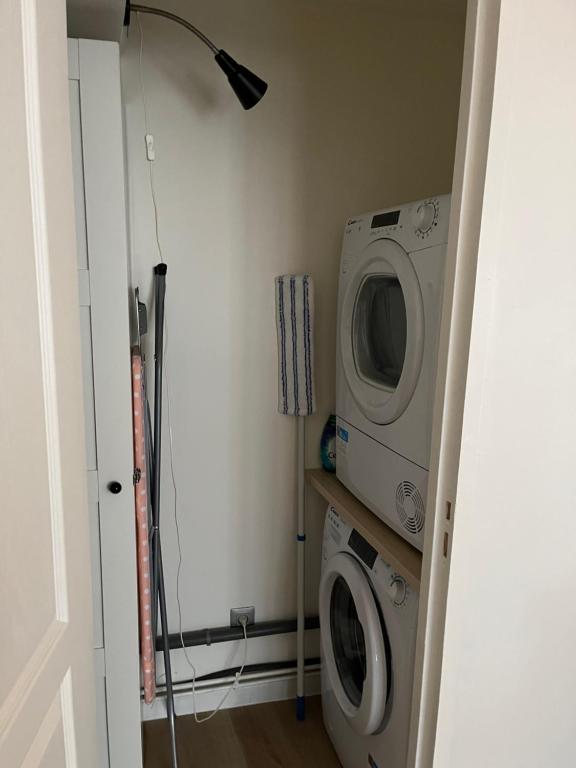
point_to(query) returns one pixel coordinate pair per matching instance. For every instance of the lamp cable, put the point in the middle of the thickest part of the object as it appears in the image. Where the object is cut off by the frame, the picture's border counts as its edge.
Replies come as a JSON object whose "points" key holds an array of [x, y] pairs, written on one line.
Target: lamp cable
{"points": [[147, 133]]}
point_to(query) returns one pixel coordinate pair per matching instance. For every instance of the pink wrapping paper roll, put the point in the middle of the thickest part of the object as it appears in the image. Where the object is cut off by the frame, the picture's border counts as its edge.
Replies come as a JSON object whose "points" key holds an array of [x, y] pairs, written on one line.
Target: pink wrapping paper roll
{"points": [[147, 658]]}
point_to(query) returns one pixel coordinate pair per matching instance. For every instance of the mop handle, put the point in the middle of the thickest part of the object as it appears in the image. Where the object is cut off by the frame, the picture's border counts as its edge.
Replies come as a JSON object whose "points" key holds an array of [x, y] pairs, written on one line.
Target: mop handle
{"points": [[160, 591]]}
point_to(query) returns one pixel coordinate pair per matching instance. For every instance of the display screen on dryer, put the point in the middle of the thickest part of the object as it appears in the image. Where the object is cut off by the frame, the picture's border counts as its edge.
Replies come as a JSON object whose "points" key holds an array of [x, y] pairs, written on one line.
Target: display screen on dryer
{"points": [[386, 219]]}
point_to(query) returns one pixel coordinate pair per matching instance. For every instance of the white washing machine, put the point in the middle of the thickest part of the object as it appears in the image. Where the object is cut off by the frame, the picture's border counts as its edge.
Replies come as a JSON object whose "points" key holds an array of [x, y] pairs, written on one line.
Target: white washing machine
{"points": [[368, 618], [389, 303]]}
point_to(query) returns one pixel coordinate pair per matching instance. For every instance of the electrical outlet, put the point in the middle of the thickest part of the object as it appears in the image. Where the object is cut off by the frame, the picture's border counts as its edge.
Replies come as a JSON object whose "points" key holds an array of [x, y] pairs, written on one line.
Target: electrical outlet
{"points": [[236, 613]]}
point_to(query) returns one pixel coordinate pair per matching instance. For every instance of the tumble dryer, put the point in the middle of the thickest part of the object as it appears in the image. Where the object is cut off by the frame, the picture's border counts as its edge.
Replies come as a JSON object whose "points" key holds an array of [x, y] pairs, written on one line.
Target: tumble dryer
{"points": [[389, 301], [368, 621]]}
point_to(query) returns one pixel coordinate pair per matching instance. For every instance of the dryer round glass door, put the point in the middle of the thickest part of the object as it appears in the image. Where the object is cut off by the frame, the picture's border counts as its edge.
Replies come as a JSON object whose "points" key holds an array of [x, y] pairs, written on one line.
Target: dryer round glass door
{"points": [[353, 643], [382, 331]]}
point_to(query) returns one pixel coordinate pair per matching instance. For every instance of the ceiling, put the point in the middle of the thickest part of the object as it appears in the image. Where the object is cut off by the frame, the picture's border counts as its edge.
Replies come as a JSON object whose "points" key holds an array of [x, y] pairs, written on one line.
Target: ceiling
{"points": [[103, 19], [95, 19]]}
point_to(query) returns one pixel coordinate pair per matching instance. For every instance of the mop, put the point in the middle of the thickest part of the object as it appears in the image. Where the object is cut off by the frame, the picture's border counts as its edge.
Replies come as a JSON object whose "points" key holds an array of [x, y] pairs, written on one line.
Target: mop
{"points": [[296, 397]]}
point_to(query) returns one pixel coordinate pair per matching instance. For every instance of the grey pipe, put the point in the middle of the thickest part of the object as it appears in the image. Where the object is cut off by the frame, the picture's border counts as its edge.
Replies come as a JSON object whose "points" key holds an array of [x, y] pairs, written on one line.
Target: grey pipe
{"points": [[167, 665], [215, 635], [159, 294]]}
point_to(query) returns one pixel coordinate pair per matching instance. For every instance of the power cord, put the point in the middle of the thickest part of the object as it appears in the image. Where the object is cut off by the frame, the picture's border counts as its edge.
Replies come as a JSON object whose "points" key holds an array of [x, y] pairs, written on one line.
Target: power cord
{"points": [[244, 623]]}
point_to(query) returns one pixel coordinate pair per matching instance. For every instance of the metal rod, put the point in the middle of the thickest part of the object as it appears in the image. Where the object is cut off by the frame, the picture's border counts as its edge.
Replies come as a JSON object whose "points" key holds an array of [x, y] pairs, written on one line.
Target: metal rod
{"points": [[251, 669], [252, 672], [301, 544], [159, 294], [228, 634], [178, 19], [167, 665], [158, 580]]}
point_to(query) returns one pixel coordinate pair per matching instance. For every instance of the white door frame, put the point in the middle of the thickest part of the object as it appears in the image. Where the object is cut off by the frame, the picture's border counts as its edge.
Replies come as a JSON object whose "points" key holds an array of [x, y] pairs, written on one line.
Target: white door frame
{"points": [[480, 49], [96, 65], [495, 669]]}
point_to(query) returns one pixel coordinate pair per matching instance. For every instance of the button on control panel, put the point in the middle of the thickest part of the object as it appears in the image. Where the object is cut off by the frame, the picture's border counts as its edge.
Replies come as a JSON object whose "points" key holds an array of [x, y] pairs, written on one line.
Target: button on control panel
{"points": [[398, 590], [425, 218]]}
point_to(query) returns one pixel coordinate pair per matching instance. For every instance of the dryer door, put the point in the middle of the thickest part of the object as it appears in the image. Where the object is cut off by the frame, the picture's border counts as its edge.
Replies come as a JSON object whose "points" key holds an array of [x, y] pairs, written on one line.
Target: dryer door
{"points": [[354, 643], [382, 331]]}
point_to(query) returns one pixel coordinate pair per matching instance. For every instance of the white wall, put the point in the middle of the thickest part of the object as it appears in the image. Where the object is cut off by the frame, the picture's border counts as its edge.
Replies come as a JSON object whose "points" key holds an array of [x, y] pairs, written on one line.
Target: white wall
{"points": [[361, 113], [95, 19], [509, 667]]}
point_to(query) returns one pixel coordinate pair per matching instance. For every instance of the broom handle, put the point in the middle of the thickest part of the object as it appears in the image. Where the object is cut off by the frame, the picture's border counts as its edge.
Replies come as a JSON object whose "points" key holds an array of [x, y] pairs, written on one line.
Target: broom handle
{"points": [[159, 589], [301, 543]]}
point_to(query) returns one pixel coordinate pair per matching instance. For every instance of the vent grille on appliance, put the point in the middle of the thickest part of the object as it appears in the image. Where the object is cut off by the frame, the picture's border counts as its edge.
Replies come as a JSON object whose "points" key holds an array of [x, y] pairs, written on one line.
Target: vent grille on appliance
{"points": [[410, 507]]}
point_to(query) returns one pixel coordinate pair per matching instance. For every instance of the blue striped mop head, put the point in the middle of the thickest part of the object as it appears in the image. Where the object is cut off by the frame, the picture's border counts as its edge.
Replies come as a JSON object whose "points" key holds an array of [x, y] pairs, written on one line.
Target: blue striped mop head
{"points": [[295, 327]]}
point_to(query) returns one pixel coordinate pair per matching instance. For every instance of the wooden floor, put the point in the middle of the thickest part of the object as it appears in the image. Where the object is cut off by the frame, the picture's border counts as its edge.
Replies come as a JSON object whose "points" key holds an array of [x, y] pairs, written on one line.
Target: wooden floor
{"points": [[260, 736]]}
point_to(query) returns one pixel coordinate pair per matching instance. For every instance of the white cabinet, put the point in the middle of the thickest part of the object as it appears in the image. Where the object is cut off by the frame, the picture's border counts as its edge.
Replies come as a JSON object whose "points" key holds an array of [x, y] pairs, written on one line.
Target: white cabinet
{"points": [[98, 156]]}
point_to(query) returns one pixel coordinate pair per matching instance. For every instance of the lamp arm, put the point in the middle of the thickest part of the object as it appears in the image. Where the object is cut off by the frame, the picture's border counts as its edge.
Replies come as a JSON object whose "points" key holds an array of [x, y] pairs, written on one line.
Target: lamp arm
{"points": [[178, 19]]}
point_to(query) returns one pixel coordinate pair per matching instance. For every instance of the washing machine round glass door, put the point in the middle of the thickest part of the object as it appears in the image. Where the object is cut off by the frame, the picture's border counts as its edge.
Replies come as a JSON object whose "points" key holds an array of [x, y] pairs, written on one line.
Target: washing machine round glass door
{"points": [[382, 331], [354, 643]]}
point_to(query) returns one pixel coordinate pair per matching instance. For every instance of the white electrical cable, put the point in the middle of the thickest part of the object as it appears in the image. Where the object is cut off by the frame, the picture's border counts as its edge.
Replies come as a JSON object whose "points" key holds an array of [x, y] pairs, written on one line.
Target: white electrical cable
{"points": [[146, 133], [243, 620], [233, 687]]}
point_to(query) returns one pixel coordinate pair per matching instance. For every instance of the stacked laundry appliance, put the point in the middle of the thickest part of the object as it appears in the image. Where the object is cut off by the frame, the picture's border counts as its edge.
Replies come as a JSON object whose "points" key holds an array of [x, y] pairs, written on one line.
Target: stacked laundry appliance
{"points": [[389, 304]]}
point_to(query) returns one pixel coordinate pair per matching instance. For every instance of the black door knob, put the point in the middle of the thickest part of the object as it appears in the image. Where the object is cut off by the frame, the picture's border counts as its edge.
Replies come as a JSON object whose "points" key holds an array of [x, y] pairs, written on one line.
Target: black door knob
{"points": [[114, 486]]}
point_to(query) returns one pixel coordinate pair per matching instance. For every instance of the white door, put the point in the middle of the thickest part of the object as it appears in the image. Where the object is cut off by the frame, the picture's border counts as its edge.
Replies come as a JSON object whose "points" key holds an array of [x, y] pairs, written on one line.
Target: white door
{"points": [[353, 646], [382, 331], [46, 662]]}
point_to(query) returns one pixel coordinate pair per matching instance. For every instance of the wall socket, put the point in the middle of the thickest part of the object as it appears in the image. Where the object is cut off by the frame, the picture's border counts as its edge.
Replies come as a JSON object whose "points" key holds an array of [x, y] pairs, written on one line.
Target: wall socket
{"points": [[236, 613]]}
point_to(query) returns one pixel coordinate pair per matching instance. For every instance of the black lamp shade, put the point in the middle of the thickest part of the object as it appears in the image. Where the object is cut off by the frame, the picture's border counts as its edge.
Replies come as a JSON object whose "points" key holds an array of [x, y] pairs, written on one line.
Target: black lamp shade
{"points": [[246, 85]]}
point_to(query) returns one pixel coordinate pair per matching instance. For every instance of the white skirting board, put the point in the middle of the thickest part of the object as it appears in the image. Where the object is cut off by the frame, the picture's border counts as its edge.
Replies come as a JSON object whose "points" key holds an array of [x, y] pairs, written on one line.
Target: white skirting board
{"points": [[255, 689]]}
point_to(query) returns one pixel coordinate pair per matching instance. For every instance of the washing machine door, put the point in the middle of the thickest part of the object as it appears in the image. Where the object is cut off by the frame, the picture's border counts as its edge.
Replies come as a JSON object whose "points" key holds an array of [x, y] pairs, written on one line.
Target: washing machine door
{"points": [[353, 643], [382, 331]]}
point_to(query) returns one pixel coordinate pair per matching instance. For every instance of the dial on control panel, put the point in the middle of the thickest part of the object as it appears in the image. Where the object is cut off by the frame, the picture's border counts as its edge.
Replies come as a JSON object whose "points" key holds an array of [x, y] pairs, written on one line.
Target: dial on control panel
{"points": [[397, 590], [424, 217]]}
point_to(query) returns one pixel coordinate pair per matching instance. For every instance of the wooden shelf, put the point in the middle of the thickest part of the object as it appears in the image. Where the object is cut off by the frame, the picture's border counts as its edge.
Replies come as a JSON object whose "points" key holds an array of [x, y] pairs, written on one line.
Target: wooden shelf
{"points": [[404, 558]]}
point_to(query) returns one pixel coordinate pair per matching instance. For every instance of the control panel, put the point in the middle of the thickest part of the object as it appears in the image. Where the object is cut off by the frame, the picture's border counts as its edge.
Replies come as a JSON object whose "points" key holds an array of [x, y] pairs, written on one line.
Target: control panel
{"points": [[414, 226]]}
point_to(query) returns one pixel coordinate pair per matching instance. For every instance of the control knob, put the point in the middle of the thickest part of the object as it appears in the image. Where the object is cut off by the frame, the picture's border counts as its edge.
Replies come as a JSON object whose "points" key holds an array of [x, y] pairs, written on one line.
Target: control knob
{"points": [[397, 590], [424, 217]]}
